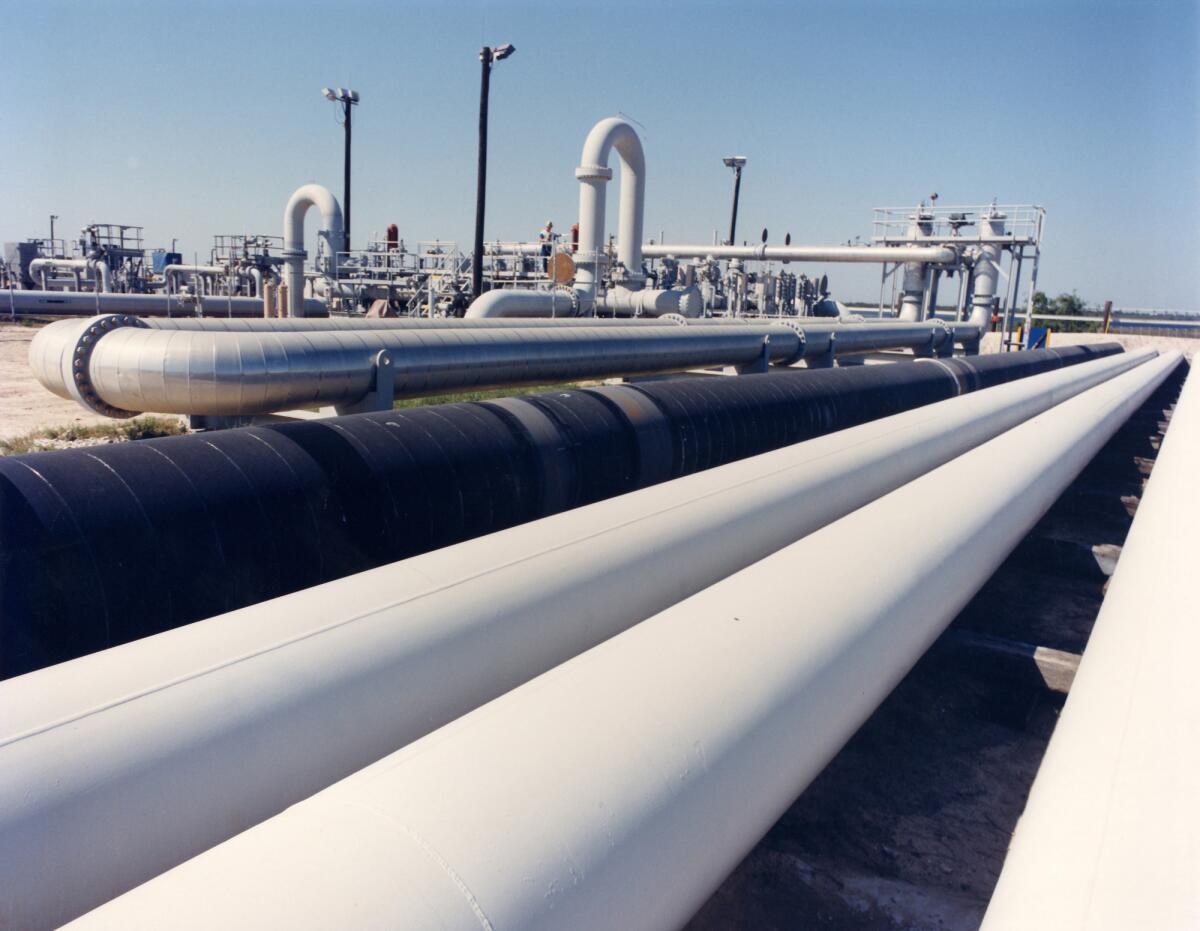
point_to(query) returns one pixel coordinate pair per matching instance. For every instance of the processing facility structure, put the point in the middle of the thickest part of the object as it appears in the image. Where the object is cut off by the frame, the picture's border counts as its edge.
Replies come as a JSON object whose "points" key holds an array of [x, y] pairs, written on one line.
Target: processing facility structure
{"points": [[557, 658]]}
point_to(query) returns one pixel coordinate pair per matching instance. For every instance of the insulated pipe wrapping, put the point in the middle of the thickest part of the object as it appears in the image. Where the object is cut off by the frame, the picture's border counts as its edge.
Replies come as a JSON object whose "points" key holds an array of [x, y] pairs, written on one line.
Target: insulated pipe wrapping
{"points": [[175, 742], [119, 366], [620, 788], [129, 367], [1109, 837], [108, 544]]}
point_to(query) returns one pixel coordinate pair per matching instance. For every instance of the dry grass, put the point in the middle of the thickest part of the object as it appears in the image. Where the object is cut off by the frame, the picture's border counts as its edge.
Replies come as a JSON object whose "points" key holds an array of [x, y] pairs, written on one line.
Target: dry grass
{"points": [[149, 426], [488, 395], [139, 428]]}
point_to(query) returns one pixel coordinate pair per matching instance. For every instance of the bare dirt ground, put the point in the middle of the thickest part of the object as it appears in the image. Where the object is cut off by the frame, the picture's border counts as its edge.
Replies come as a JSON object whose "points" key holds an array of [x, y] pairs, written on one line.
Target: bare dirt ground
{"points": [[908, 826], [25, 406]]}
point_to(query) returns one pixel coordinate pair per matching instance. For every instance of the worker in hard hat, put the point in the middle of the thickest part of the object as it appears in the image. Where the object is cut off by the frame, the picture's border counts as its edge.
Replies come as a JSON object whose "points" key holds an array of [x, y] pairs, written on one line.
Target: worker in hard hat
{"points": [[546, 238]]}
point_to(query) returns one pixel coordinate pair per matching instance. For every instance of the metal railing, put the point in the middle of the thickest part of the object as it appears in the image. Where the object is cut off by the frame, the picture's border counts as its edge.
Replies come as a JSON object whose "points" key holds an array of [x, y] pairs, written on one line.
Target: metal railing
{"points": [[230, 248], [1022, 223]]}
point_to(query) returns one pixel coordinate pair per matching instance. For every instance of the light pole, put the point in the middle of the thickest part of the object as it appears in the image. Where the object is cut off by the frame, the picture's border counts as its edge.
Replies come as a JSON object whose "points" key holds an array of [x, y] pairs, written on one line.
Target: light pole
{"points": [[487, 55], [736, 162], [348, 99]]}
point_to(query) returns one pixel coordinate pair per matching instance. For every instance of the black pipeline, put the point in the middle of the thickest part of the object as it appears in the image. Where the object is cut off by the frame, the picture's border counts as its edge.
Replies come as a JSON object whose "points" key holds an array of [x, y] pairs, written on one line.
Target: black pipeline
{"points": [[104, 545]]}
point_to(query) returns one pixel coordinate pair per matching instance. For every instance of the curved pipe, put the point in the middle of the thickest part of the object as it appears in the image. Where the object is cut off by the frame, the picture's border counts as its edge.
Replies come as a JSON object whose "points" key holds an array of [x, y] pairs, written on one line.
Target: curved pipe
{"points": [[515, 302], [99, 266], [594, 174], [310, 195], [704, 796], [938, 255]]}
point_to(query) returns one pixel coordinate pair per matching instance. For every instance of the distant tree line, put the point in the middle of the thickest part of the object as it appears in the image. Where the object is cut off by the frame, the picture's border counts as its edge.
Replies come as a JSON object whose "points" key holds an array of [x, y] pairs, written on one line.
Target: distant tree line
{"points": [[1066, 305]]}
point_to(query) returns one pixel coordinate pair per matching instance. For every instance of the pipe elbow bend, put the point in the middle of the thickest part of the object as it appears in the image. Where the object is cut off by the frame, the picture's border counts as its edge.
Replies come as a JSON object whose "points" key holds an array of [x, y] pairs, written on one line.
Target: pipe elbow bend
{"points": [[490, 304], [607, 134], [310, 195]]}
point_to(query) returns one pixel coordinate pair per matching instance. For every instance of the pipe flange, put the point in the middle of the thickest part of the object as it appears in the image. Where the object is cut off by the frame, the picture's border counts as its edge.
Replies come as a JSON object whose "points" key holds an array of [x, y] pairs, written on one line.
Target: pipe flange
{"points": [[79, 382], [677, 319], [947, 334], [799, 330], [593, 173]]}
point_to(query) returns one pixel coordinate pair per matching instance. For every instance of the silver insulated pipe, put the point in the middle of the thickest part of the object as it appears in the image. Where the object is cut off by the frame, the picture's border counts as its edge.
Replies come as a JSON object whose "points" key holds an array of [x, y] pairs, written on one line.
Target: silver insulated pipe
{"points": [[119, 366]]}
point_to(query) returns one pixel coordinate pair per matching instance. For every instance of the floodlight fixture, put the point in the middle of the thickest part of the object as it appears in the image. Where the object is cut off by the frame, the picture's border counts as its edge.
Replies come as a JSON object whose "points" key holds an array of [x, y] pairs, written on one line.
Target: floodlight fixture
{"points": [[736, 162], [348, 99]]}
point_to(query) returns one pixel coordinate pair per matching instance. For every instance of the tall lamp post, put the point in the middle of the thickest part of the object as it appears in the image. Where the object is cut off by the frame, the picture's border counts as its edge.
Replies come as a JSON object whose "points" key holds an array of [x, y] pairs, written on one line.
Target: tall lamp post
{"points": [[487, 55], [348, 99], [736, 162]]}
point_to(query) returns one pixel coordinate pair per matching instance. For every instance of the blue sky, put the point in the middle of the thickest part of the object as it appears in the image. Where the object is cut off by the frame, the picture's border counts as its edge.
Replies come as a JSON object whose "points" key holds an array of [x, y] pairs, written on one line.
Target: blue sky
{"points": [[196, 118]]}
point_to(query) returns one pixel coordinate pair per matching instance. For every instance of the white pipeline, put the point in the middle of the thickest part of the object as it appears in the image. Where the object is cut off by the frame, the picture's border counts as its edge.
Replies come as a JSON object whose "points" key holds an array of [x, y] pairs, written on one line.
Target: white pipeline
{"points": [[593, 175], [620, 788], [1110, 837], [916, 274], [986, 274], [514, 303], [938, 255], [652, 302], [98, 266], [156, 750], [310, 195]]}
